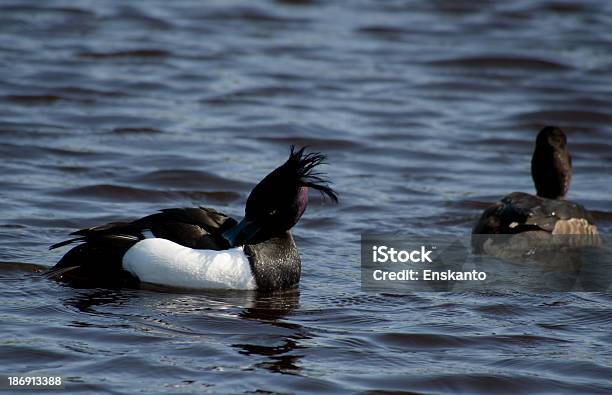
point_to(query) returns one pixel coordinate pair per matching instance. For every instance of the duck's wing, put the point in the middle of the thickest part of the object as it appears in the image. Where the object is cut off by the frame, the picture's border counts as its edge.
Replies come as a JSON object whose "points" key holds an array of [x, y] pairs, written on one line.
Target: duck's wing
{"points": [[192, 227], [97, 259], [552, 215], [524, 212], [199, 228], [520, 212], [529, 221], [109, 231], [513, 214]]}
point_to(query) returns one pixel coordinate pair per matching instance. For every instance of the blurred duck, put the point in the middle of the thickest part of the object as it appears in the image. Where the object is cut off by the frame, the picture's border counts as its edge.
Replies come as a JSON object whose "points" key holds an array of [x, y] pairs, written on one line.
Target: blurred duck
{"points": [[546, 214], [200, 248]]}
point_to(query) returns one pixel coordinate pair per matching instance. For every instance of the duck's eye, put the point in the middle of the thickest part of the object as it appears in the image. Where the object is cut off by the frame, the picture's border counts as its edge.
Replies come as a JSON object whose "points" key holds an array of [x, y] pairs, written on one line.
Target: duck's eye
{"points": [[271, 213]]}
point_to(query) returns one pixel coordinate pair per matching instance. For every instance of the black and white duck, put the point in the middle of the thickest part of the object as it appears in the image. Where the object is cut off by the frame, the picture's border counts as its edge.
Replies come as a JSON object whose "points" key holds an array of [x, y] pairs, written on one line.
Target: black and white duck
{"points": [[200, 248]]}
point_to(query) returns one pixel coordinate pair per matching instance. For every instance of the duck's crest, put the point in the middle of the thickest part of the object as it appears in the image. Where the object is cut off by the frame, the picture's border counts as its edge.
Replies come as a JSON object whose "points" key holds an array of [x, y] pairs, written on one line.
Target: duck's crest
{"points": [[303, 165]]}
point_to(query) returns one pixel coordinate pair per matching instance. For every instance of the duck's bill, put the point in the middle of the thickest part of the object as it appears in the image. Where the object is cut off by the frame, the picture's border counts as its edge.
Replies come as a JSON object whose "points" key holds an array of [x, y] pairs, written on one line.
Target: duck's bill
{"points": [[241, 233]]}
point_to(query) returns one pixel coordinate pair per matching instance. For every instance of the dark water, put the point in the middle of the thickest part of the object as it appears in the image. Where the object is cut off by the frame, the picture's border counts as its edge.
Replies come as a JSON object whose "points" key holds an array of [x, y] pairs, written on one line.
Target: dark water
{"points": [[427, 111]]}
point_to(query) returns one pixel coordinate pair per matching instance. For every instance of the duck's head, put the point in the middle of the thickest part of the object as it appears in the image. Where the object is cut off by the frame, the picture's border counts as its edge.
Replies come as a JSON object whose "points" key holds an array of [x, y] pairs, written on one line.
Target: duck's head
{"points": [[551, 164], [276, 204]]}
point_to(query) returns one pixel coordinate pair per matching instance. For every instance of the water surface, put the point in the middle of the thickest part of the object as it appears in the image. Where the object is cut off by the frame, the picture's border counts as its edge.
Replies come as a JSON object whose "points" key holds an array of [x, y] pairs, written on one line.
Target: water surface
{"points": [[427, 111]]}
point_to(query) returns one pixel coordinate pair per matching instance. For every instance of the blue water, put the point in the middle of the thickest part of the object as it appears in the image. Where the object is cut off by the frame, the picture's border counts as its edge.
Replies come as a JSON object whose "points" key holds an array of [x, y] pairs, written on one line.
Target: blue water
{"points": [[427, 112]]}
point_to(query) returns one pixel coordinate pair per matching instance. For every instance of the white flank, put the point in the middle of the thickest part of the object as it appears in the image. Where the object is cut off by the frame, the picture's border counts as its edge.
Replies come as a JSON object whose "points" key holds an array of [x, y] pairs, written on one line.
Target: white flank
{"points": [[163, 262]]}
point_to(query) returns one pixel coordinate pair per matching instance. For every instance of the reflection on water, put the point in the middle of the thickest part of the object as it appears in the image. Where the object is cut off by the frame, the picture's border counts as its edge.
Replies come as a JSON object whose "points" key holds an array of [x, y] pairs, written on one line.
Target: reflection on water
{"points": [[278, 352], [282, 356]]}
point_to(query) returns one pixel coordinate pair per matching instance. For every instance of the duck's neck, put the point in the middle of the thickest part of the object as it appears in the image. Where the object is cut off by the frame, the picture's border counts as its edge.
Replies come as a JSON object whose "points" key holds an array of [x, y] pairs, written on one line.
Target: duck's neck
{"points": [[551, 169], [275, 263]]}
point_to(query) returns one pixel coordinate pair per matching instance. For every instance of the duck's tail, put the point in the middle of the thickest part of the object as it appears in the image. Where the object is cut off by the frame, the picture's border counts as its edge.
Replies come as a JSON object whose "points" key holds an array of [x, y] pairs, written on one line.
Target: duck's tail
{"points": [[97, 260]]}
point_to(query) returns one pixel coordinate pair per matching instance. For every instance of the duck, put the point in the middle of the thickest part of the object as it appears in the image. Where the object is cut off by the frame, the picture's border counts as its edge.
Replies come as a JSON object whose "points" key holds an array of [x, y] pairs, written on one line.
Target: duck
{"points": [[199, 247], [538, 217]]}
